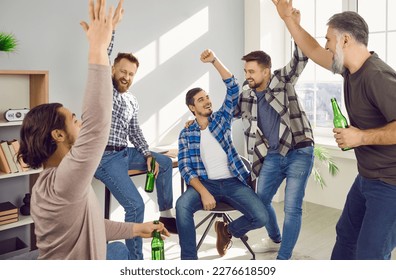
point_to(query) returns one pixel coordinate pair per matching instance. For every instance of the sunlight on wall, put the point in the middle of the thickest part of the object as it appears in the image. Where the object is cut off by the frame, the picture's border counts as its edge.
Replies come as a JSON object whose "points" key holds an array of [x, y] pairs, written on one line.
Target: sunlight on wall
{"points": [[163, 126], [176, 108], [170, 118], [171, 43], [148, 60], [184, 34]]}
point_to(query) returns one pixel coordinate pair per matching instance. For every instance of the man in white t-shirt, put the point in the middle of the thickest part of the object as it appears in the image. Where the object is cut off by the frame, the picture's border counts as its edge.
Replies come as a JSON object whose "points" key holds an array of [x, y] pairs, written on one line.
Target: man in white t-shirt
{"points": [[213, 170]]}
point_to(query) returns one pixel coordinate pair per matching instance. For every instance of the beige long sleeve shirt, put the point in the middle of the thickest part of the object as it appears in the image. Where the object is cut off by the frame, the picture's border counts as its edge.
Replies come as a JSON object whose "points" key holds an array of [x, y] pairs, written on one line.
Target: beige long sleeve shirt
{"points": [[68, 219]]}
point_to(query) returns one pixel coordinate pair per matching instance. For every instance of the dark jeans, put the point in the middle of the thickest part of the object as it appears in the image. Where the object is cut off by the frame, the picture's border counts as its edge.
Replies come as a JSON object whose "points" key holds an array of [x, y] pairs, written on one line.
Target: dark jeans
{"points": [[366, 229]]}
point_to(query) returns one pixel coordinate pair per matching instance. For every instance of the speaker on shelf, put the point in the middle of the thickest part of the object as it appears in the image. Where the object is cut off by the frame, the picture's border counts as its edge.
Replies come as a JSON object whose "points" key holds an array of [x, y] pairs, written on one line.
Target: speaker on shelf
{"points": [[14, 115]]}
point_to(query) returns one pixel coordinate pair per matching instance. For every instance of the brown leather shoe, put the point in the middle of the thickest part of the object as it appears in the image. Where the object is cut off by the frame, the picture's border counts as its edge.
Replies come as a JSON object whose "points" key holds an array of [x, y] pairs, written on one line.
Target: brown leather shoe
{"points": [[223, 242]]}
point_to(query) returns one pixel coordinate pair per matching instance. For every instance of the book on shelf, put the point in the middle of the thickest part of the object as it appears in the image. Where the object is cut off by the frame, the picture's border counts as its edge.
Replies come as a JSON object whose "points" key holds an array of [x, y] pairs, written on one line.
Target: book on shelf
{"points": [[9, 216], [14, 148], [14, 157], [9, 221], [9, 156], [7, 208], [4, 167]]}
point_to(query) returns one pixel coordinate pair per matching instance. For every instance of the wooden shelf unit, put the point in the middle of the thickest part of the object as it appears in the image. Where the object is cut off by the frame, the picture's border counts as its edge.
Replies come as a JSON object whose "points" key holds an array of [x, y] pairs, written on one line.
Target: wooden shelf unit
{"points": [[37, 90]]}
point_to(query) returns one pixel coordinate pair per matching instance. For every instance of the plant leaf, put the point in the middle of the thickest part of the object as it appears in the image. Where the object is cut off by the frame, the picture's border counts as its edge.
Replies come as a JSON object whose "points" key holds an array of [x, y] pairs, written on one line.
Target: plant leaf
{"points": [[8, 42], [323, 156]]}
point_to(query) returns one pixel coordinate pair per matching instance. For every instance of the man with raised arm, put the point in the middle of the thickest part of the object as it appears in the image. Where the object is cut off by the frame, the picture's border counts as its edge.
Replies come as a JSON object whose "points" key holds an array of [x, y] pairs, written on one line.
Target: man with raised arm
{"points": [[367, 226], [212, 168], [68, 219]]}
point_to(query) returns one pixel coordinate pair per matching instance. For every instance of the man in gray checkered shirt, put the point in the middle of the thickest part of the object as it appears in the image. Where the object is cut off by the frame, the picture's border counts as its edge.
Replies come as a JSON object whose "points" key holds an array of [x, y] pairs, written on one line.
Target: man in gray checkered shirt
{"points": [[279, 142], [118, 158]]}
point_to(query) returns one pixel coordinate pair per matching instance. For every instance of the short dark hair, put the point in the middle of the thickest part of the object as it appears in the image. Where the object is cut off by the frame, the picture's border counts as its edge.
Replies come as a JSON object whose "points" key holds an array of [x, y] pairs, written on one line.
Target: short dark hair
{"points": [[128, 56], [36, 142], [190, 96], [259, 56], [352, 23]]}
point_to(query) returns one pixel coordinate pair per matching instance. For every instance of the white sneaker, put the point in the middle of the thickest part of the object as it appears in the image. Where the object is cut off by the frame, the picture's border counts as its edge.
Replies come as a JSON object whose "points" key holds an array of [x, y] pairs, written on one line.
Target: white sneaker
{"points": [[266, 245]]}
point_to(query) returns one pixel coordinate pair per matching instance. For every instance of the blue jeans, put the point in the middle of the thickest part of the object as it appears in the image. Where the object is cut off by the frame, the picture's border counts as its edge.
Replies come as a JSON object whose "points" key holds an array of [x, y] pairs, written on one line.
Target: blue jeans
{"points": [[113, 172], [117, 251], [366, 229], [231, 191], [295, 167]]}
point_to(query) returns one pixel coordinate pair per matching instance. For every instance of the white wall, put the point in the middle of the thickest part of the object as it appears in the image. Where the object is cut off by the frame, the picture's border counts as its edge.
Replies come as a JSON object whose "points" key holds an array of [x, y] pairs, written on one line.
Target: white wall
{"points": [[167, 36], [334, 194]]}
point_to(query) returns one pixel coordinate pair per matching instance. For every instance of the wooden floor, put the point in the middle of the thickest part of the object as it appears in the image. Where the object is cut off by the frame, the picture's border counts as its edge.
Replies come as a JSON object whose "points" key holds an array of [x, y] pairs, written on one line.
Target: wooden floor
{"points": [[315, 242]]}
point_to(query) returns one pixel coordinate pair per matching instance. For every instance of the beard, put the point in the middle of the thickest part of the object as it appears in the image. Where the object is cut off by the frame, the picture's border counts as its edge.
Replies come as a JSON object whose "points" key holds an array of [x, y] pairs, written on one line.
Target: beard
{"points": [[206, 113], [119, 86], [253, 84], [337, 67]]}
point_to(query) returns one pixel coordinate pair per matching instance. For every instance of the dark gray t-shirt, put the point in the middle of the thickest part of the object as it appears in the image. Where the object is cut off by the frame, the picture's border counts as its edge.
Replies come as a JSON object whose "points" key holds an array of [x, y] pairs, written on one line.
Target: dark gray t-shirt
{"points": [[370, 99]]}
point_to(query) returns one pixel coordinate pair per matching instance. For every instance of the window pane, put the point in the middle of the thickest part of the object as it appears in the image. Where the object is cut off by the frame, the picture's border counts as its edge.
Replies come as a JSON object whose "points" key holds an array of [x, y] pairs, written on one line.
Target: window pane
{"points": [[307, 9], [374, 13], [316, 87], [324, 10], [324, 112], [391, 15], [315, 99], [377, 44], [392, 46], [308, 75]]}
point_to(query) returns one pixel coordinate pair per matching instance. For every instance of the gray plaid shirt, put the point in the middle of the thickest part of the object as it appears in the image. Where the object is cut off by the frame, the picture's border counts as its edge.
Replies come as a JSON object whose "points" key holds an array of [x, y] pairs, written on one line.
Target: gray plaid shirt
{"points": [[294, 124], [124, 119]]}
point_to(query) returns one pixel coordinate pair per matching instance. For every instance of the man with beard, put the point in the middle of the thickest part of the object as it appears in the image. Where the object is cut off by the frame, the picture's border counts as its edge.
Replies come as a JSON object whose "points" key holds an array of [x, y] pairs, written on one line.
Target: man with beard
{"points": [[279, 142], [118, 158], [367, 226], [69, 224], [213, 170]]}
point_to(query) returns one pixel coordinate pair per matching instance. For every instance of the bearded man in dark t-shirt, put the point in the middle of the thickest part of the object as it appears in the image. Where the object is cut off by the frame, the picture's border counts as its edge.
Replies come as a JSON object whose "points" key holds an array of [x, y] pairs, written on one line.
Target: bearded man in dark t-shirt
{"points": [[367, 226]]}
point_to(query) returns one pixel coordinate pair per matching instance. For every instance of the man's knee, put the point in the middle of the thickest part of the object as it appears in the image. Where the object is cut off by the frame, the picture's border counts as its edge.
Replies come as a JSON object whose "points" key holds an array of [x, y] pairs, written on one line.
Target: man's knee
{"points": [[180, 204], [261, 218]]}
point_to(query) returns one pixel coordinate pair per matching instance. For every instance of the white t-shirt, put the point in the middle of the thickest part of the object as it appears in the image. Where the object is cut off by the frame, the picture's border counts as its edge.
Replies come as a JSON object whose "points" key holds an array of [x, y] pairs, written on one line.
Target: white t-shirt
{"points": [[213, 157]]}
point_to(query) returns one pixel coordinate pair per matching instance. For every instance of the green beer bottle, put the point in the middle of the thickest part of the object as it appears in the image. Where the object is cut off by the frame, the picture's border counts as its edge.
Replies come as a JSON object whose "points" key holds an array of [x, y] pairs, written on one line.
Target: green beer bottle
{"points": [[339, 120], [157, 246], [150, 178]]}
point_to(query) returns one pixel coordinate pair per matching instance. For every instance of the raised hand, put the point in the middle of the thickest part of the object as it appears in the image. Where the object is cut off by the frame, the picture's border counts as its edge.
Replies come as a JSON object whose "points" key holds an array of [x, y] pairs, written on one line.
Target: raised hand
{"points": [[208, 56], [284, 8], [119, 12], [296, 16], [99, 30]]}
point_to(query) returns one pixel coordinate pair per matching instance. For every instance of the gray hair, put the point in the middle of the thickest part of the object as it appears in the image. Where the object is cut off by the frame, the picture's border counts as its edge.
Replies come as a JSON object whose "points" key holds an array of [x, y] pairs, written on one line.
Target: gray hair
{"points": [[352, 23]]}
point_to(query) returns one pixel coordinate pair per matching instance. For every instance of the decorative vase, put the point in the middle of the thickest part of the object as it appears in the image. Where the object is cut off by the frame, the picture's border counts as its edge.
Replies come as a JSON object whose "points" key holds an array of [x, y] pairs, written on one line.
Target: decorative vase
{"points": [[25, 209]]}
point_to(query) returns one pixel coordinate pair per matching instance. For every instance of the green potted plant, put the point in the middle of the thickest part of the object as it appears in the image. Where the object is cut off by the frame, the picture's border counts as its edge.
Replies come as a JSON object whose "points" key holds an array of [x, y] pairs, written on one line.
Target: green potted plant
{"points": [[323, 157], [8, 42]]}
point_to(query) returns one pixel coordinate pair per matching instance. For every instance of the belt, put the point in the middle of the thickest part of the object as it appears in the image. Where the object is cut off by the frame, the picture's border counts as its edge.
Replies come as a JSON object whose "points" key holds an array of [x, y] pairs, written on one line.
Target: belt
{"points": [[303, 144], [114, 148]]}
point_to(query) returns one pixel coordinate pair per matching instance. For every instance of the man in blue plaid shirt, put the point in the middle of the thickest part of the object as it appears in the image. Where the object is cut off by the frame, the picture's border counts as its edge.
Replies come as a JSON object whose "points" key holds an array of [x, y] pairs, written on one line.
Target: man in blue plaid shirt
{"points": [[118, 158], [213, 170]]}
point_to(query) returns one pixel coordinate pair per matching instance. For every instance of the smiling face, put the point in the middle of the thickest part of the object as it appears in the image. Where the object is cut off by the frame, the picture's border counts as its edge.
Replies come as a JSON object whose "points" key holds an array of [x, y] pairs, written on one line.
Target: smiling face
{"points": [[123, 73], [202, 105], [256, 75], [334, 44]]}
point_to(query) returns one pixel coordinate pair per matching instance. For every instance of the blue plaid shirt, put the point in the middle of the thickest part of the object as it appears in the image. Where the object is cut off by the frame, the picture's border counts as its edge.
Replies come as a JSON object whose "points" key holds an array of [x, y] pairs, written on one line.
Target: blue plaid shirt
{"points": [[190, 162], [124, 119]]}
